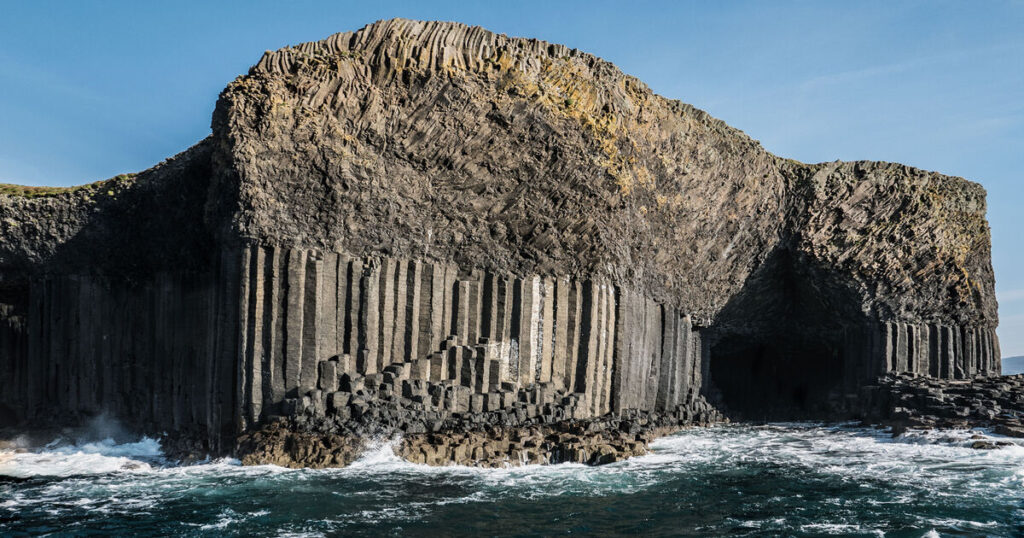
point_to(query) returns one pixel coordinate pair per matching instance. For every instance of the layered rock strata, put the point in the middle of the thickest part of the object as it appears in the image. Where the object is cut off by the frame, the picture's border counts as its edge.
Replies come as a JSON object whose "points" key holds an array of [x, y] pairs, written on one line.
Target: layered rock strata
{"points": [[432, 229]]}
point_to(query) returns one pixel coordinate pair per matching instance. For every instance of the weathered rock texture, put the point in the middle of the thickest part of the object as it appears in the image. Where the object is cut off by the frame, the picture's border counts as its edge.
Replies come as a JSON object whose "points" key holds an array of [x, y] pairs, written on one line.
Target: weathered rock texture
{"points": [[905, 401], [479, 229]]}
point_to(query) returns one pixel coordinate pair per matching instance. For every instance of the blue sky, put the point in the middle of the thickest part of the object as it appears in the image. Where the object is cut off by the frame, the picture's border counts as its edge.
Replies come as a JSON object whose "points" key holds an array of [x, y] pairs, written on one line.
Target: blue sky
{"points": [[90, 90]]}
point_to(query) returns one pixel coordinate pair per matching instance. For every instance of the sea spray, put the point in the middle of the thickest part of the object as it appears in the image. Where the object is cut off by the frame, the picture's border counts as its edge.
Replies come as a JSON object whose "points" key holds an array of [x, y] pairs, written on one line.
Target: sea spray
{"points": [[62, 459], [101, 445], [379, 451]]}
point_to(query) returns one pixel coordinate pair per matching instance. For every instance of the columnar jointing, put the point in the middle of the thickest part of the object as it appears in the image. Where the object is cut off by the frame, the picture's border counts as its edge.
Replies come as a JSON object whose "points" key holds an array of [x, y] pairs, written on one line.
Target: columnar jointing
{"points": [[159, 352], [784, 375], [277, 331], [937, 350], [312, 323]]}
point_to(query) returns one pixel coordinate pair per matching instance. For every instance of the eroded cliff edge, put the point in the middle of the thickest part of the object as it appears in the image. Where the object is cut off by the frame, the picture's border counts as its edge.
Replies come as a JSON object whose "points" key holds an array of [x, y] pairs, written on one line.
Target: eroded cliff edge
{"points": [[424, 226]]}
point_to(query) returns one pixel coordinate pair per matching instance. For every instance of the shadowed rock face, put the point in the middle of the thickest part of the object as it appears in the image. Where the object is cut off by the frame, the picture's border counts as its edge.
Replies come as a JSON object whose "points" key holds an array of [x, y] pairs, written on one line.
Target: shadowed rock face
{"points": [[519, 231]]}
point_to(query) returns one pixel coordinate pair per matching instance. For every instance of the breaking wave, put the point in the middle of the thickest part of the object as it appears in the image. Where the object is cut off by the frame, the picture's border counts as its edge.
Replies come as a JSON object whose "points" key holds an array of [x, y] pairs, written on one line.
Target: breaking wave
{"points": [[99, 457]]}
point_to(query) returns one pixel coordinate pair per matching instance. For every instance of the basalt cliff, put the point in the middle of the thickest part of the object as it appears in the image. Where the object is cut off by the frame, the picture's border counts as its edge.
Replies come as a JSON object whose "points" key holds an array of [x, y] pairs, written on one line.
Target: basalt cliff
{"points": [[505, 249]]}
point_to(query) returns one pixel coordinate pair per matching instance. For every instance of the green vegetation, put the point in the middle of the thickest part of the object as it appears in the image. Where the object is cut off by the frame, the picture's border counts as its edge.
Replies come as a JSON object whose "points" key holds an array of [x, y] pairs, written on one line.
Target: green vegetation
{"points": [[30, 192], [27, 191]]}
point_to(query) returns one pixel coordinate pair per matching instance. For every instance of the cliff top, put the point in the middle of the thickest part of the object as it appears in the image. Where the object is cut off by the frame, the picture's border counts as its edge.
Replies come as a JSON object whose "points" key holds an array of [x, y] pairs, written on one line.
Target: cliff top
{"points": [[30, 191]]}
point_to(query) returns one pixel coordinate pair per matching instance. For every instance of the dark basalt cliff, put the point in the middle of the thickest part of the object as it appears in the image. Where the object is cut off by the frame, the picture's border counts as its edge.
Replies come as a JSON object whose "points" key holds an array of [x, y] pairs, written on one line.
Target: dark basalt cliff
{"points": [[428, 227]]}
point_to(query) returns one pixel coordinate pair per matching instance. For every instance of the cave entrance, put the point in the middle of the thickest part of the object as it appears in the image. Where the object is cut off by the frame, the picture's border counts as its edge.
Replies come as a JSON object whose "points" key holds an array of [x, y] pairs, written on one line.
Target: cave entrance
{"points": [[782, 378], [778, 348]]}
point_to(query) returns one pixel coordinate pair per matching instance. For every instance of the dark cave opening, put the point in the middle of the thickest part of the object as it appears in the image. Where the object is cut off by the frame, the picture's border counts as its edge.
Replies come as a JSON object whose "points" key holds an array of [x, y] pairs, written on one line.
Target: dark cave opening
{"points": [[782, 378], [780, 349]]}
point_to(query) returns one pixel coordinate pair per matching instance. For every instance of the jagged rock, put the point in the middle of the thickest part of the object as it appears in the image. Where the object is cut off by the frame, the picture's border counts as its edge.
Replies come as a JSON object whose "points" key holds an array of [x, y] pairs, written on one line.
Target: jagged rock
{"points": [[1010, 430], [275, 444], [981, 402], [427, 226], [557, 442]]}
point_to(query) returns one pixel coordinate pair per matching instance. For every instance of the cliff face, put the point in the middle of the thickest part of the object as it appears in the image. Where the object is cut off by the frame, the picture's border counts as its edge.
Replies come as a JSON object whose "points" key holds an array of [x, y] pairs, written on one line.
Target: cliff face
{"points": [[471, 225], [446, 142]]}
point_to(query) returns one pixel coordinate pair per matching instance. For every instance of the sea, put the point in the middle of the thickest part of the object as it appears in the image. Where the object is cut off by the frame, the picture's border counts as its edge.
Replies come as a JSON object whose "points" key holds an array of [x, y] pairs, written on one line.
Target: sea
{"points": [[792, 479]]}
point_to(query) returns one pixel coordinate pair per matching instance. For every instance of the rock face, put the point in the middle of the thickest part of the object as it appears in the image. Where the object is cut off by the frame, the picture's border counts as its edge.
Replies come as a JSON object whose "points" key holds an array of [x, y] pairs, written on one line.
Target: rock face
{"points": [[433, 228]]}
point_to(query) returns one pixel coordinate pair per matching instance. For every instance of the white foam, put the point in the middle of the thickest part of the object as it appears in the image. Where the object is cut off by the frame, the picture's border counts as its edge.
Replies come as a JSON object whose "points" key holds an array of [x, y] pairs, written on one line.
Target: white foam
{"points": [[51, 464], [89, 458], [226, 518], [145, 447], [380, 453], [837, 528]]}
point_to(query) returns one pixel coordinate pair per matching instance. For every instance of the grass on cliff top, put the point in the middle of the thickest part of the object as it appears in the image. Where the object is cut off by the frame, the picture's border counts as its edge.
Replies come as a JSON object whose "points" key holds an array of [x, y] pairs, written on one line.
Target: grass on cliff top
{"points": [[27, 191]]}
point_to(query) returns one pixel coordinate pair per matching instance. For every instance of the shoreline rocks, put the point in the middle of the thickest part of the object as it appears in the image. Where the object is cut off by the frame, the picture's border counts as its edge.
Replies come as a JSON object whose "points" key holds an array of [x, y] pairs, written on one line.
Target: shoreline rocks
{"points": [[275, 444], [906, 401], [439, 425], [563, 442], [599, 441]]}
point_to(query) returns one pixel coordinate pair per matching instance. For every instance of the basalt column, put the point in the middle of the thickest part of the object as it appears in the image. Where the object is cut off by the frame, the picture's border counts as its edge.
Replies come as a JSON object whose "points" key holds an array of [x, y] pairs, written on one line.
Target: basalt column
{"points": [[158, 355], [384, 320]]}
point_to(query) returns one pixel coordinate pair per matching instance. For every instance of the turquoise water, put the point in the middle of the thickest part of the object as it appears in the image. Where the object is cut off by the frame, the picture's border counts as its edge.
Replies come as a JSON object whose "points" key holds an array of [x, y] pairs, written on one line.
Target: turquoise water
{"points": [[789, 479]]}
